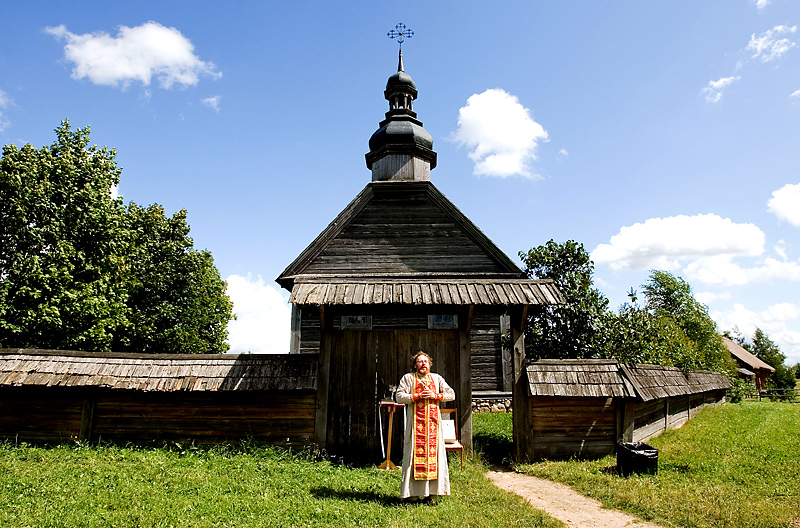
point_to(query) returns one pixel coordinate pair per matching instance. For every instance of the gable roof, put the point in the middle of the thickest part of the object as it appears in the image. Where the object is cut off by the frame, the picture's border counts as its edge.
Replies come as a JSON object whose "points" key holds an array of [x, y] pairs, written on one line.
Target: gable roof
{"points": [[158, 372], [745, 356], [401, 229]]}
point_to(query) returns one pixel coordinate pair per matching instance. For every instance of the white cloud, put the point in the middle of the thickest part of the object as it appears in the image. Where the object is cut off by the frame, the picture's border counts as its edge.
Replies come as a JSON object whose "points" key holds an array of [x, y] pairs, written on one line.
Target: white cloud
{"points": [[135, 54], [795, 94], [213, 102], [500, 134], [263, 317], [773, 321], [713, 91], [662, 243], [564, 153], [709, 297], [722, 270], [761, 4], [5, 101], [768, 47], [785, 203]]}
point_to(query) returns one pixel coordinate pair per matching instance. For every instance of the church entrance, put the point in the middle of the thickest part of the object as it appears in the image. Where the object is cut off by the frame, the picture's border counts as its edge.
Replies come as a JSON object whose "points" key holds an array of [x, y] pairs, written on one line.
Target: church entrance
{"points": [[363, 365]]}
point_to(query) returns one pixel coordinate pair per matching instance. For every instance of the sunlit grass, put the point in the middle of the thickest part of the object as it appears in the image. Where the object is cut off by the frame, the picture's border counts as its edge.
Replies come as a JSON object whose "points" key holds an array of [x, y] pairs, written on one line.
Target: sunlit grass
{"points": [[731, 466], [242, 486]]}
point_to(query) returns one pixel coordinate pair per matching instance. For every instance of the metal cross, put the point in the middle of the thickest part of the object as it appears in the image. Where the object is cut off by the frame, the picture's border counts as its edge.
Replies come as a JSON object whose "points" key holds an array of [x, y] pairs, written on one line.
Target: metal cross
{"points": [[400, 32]]}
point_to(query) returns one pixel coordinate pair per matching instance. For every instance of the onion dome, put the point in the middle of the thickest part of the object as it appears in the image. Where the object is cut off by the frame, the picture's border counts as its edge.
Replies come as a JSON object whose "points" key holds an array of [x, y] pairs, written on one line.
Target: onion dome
{"points": [[401, 149]]}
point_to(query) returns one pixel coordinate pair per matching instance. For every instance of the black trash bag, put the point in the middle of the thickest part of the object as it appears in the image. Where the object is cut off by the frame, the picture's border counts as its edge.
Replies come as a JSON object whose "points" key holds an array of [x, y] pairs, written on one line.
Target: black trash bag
{"points": [[636, 457]]}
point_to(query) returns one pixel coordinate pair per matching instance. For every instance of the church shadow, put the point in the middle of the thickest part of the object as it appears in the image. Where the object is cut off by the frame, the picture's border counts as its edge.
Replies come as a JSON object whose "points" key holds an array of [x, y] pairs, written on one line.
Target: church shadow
{"points": [[383, 499]]}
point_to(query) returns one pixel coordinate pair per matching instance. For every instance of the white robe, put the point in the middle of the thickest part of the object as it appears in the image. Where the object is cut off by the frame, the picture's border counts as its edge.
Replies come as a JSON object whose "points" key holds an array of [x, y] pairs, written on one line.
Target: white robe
{"points": [[422, 488]]}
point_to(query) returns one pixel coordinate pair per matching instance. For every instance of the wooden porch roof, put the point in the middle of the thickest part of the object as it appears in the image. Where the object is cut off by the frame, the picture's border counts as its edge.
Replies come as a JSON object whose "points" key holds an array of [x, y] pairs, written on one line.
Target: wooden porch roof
{"points": [[509, 292], [158, 372], [609, 379]]}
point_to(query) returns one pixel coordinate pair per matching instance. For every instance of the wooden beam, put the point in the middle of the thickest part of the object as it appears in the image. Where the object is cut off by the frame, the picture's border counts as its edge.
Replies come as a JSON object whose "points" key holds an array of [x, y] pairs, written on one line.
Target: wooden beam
{"points": [[464, 389], [523, 446], [87, 419], [323, 382], [294, 343], [506, 357], [470, 315]]}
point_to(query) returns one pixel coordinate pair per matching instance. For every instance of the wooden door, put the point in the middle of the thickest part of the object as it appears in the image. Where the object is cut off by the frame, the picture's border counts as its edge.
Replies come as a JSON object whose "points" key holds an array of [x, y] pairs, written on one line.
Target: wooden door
{"points": [[363, 365]]}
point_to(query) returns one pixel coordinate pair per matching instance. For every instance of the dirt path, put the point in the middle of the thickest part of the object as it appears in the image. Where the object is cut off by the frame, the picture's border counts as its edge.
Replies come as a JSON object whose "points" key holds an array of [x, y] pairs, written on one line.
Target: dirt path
{"points": [[563, 503]]}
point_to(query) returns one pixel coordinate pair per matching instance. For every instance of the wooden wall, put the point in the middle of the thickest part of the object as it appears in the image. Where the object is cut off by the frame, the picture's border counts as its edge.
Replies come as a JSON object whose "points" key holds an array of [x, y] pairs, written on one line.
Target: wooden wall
{"points": [[56, 414], [573, 426], [583, 426], [490, 366], [656, 416]]}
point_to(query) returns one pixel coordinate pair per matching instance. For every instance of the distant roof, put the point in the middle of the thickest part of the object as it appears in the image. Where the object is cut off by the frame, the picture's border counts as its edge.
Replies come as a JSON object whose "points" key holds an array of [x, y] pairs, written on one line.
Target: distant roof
{"points": [[323, 290], [745, 356], [609, 379], [157, 372]]}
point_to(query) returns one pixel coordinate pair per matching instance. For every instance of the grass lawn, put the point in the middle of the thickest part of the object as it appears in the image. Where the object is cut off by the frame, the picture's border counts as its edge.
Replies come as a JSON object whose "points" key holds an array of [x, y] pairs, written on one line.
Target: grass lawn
{"points": [[734, 465], [242, 486]]}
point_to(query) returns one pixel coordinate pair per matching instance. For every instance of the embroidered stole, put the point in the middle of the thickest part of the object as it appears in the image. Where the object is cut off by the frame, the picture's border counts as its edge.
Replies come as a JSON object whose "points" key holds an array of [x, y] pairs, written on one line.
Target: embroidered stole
{"points": [[426, 432]]}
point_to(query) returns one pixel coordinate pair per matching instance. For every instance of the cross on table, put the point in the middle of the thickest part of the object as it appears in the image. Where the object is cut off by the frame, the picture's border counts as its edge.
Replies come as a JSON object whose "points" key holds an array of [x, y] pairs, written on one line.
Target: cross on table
{"points": [[400, 32]]}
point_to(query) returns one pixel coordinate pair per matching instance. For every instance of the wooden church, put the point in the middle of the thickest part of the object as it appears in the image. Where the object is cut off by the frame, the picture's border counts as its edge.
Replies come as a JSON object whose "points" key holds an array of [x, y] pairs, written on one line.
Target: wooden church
{"points": [[401, 269]]}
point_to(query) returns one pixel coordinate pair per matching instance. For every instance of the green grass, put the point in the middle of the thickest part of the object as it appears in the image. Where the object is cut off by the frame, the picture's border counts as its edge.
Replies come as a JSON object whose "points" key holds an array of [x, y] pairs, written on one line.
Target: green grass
{"points": [[242, 486], [731, 466]]}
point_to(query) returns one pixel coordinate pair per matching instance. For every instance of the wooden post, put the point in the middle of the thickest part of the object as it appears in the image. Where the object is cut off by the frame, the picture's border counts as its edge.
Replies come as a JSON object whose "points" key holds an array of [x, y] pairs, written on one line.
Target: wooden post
{"points": [[628, 411], [523, 451], [323, 369], [464, 388], [506, 357], [87, 419], [294, 342]]}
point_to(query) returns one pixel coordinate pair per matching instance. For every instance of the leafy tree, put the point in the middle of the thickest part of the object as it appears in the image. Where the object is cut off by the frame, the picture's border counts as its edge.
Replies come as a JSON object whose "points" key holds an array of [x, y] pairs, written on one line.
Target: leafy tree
{"points": [[176, 296], [670, 300], [636, 335], [60, 236], [80, 271], [767, 351], [576, 328]]}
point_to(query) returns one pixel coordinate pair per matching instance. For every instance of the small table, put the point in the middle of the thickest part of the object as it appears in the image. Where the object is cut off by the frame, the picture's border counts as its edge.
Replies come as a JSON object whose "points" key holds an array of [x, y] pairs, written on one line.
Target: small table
{"points": [[391, 406]]}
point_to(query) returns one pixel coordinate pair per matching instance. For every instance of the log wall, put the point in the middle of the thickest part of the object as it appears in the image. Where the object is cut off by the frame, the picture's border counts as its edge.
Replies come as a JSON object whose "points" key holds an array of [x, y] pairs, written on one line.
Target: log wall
{"points": [[57, 414], [573, 426], [584, 426]]}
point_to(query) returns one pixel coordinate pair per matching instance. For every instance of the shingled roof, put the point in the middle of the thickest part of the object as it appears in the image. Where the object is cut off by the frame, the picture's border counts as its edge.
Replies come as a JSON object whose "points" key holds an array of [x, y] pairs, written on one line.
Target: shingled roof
{"points": [[157, 372], [609, 379], [655, 381], [507, 292], [578, 377]]}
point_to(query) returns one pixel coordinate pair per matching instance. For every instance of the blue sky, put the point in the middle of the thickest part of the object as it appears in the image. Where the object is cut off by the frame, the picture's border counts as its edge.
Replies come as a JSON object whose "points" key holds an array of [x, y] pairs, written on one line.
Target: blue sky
{"points": [[660, 135]]}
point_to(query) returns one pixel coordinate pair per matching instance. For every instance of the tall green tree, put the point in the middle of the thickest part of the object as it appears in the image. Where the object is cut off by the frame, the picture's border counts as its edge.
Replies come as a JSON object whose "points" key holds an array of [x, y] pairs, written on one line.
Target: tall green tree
{"points": [[80, 271], [767, 351], [176, 297], [60, 240], [576, 328], [670, 300]]}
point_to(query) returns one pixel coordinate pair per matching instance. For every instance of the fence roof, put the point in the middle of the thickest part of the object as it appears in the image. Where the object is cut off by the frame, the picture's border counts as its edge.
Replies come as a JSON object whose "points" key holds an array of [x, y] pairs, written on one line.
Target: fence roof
{"points": [[158, 372], [609, 379]]}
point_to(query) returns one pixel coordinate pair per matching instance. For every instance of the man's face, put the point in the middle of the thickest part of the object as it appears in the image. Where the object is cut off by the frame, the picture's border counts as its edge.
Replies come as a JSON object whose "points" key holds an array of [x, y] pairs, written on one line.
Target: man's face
{"points": [[422, 365]]}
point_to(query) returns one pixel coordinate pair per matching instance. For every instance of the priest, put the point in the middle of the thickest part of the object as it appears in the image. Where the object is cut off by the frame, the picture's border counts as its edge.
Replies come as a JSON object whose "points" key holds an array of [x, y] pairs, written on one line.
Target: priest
{"points": [[425, 473]]}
